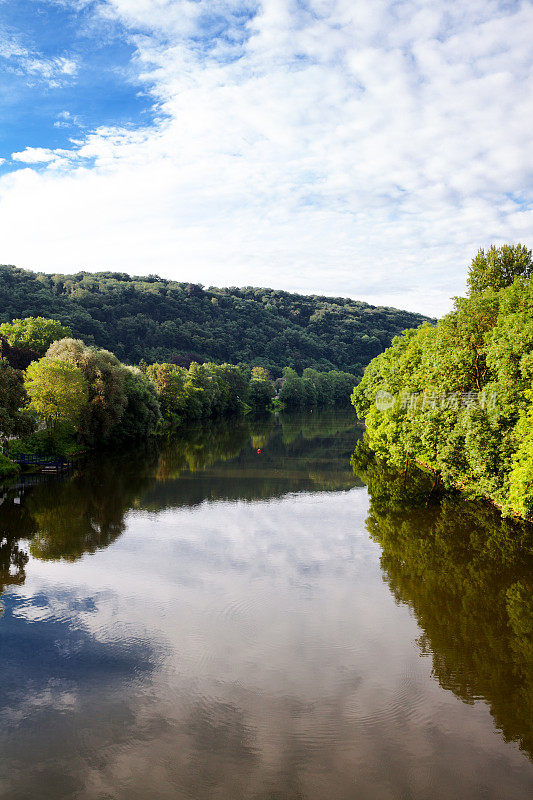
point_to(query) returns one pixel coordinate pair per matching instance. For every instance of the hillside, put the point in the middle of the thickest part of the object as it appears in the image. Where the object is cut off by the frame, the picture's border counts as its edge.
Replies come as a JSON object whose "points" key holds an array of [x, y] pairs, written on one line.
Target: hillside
{"points": [[161, 320]]}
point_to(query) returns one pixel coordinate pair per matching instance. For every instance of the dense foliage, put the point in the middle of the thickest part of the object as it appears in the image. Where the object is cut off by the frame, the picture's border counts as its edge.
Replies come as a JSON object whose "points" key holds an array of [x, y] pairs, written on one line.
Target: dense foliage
{"points": [[34, 333], [83, 395], [202, 391], [499, 266], [17, 357], [106, 378], [457, 397], [7, 467], [12, 397], [161, 321], [260, 389], [58, 391], [112, 401], [13, 420], [316, 389]]}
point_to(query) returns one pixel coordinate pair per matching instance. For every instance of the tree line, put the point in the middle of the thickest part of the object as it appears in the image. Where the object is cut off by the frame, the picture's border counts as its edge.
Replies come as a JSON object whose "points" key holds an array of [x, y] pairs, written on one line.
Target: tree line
{"points": [[457, 397], [72, 394], [164, 321]]}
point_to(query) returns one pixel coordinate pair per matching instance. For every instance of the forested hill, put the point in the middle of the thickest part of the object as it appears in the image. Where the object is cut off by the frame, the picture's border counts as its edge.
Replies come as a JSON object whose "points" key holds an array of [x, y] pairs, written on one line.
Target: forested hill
{"points": [[160, 320]]}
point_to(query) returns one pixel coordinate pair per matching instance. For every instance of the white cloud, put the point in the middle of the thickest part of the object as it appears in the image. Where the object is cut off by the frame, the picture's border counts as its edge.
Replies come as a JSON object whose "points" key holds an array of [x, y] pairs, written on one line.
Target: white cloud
{"points": [[67, 120], [341, 146], [34, 155], [290, 641], [51, 69], [19, 59]]}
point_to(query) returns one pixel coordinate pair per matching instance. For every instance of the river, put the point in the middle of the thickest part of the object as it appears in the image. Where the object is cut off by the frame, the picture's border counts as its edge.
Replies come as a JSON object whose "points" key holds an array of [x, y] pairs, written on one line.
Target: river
{"points": [[238, 615]]}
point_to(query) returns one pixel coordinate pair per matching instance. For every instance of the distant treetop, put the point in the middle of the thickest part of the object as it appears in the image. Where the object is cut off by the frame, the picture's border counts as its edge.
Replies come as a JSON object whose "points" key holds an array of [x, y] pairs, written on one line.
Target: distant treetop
{"points": [[34, 333], [499, 266]]}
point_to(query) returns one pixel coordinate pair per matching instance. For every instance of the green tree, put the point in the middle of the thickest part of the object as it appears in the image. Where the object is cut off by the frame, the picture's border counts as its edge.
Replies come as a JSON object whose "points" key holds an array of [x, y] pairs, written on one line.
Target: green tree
{"points": [[292, 392], [161, 321], [204, 390], [13, 420], [234, 380], [260, 393], [499, 266], [261, 374], [341, 387], [458, 397], [34, 333], [105, 376], [322, 383], [175, 396], [58, 392], [142, 413]]}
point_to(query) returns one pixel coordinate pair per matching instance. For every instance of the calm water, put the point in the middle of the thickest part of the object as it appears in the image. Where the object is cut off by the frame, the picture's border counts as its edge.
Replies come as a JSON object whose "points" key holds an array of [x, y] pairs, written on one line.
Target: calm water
{"points": [[212, 621]]}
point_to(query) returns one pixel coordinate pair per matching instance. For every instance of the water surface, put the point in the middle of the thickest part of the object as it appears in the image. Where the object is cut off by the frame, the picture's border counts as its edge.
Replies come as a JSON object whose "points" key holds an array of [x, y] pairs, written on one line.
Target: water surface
{"points": [[239, 616]]}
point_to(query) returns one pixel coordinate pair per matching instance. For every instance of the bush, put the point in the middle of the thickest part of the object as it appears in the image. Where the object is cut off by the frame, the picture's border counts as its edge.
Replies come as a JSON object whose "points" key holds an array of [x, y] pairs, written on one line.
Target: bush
{"points": [[40, 443], [7, 467]]}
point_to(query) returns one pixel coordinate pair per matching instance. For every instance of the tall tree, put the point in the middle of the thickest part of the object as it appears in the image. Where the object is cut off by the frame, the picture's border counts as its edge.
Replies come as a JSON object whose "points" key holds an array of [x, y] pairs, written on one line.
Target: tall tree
{"points": [[105, 376], [260, 390], [499, 266], [58, 392]]}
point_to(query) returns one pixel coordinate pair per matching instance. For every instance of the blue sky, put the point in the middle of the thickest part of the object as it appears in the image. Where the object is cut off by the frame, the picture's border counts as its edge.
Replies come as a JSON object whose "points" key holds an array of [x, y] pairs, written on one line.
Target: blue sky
{"points": [[356, 147], [64, 73]]}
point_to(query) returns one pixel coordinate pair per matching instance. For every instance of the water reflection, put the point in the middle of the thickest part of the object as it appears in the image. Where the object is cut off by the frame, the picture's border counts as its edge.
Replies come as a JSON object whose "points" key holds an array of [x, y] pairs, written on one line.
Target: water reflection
{"points": [[204, 620], [63, 519], [298, 452], [16, 524], [468, 576], [86, 512]]}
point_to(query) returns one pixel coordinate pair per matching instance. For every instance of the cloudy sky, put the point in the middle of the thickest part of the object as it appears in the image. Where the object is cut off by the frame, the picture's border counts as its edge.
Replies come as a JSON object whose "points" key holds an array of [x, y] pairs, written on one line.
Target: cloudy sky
{"points": [[357, 147]]}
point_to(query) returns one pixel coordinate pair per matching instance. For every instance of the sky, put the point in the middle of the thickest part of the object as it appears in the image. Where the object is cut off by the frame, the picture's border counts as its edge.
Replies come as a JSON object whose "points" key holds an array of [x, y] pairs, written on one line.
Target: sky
{"points": [[364, 148]]}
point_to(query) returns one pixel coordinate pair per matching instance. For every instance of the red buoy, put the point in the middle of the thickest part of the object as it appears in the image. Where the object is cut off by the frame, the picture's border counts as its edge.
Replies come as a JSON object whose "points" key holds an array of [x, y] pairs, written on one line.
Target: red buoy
{"points": [[259, 451]]}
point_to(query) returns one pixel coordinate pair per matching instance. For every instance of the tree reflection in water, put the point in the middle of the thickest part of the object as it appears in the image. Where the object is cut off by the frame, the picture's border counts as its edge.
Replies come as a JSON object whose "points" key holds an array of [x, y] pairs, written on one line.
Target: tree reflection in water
{"points": [[467, 576], [465, 573], [16, 525], [63, 519]]}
